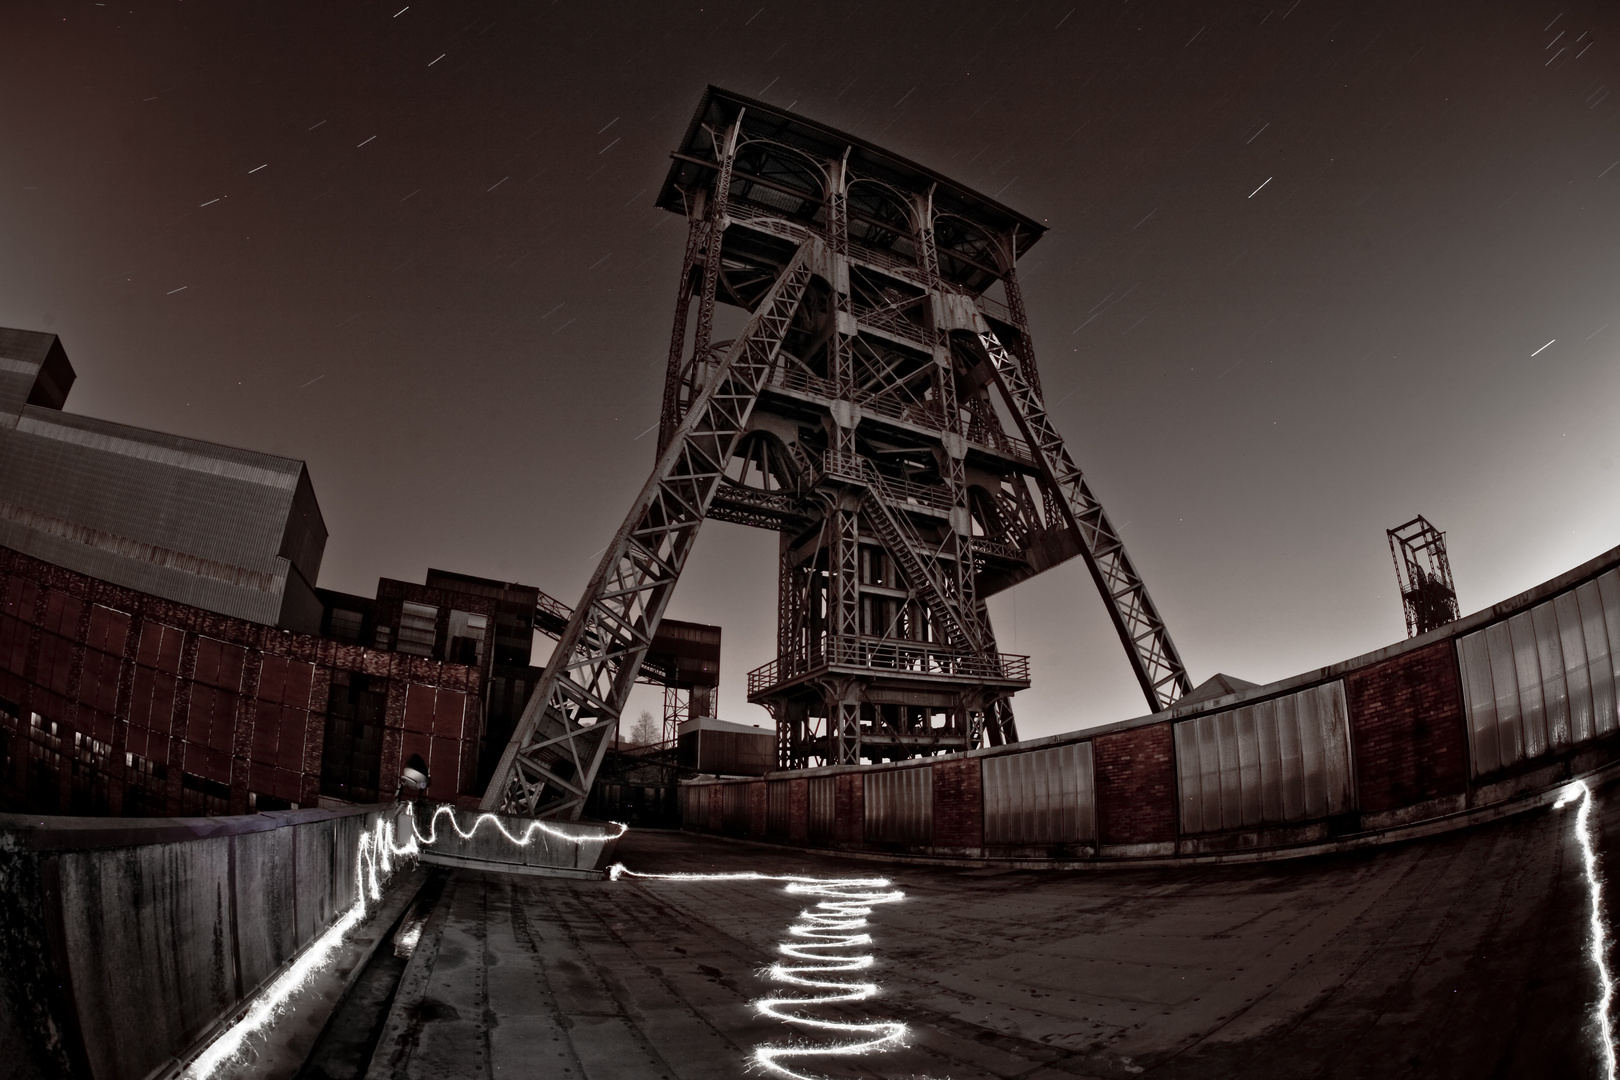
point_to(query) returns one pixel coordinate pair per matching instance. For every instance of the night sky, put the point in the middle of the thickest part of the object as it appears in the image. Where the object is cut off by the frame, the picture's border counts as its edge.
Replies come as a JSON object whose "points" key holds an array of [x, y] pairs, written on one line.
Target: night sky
{"points": [[1303, 268]]}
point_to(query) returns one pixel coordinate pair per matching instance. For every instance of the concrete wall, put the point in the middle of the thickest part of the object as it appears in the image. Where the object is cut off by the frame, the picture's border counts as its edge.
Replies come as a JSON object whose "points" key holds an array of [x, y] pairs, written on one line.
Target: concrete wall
{"points": [[124, 942], [1392, 740]]}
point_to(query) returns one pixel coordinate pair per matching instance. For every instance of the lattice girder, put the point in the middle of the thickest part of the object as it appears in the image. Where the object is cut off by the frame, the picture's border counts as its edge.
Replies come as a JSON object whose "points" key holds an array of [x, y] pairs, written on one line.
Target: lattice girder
{"points": [[577, 702]]}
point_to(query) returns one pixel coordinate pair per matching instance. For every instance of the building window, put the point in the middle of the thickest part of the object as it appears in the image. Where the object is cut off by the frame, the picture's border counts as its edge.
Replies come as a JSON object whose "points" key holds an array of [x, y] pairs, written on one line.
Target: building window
{"points": [[467, 636], [384, 641], [351, 759], [418, 627], [346, 624]]}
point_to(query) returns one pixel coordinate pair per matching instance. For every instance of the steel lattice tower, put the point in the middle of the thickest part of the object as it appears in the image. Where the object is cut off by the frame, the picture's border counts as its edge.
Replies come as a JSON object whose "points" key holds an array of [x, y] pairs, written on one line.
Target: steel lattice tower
{"points": [[861, 413], [1423, 570]]}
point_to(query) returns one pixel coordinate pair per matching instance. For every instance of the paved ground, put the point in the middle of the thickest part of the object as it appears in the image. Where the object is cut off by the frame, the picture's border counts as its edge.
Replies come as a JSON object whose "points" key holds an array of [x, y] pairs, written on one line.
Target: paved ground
{"points": [[1460, 956]]}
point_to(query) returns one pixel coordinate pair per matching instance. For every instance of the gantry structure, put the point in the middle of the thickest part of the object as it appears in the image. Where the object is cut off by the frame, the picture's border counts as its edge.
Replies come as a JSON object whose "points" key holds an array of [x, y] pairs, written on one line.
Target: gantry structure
{"points": [[880, 409], [1423, 571]]}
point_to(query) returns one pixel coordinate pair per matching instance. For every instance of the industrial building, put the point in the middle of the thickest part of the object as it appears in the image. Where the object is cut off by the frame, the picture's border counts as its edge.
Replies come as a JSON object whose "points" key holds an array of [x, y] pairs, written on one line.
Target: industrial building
{"points": [[164, 649]]}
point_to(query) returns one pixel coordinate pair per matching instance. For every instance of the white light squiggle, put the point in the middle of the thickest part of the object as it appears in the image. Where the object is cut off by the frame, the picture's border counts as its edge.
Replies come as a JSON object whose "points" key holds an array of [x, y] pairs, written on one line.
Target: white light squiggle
{"points": [[821, 941], [525, 840], [373, 863], [1598, 947]]}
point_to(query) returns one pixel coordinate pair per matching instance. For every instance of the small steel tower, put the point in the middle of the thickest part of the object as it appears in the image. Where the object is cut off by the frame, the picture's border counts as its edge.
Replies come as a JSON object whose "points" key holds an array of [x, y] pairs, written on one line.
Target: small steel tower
{"points": [[1424, 574], [879, 408]]}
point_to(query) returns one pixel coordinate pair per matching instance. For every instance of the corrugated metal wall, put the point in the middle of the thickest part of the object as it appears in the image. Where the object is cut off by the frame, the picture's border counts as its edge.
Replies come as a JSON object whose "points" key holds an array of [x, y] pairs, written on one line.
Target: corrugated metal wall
{"points": [[734, 809], [822, 799], [189, 521], [693, 806], [900, 806], [1040, 797], [1287, 759], [779, 806], [1543, 679]]}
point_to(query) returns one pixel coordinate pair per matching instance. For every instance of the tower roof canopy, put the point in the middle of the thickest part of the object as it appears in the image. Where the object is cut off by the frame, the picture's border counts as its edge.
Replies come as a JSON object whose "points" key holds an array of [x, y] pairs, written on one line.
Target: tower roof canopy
{"points": [[696, 159]]}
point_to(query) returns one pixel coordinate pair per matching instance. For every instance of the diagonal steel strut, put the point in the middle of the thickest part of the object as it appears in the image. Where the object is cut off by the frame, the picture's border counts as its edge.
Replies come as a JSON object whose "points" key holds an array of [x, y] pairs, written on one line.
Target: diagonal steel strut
{"points": [[1147, 643], [547, 768]]}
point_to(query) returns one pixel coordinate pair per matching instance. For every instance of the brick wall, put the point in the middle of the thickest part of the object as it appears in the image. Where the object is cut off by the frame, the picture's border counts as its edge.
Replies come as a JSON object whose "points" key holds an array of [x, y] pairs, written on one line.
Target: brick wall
{"points": [[169, 709], [958, 804], [849, 808], [1136, 786], [1406, 727]]}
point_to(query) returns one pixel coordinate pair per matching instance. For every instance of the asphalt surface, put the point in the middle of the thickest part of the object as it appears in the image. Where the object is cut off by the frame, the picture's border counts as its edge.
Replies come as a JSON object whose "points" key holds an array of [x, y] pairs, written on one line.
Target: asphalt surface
{"points": [[1464, 955]]}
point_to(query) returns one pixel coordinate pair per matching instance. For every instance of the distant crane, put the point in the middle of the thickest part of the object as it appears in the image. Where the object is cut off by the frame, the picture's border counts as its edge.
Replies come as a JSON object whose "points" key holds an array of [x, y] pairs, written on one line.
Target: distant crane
{"points": [[1427, 591]]}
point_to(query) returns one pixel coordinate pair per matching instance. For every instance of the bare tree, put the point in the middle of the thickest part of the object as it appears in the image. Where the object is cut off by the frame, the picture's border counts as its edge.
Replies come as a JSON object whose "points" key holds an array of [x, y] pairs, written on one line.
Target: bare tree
{"points": [[647, 730]]}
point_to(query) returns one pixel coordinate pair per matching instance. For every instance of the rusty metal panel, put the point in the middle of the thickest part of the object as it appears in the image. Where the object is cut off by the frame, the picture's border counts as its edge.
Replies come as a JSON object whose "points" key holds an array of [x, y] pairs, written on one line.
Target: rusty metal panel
{"points": [[1248, 744], [1210, 756], [1599, 658], [1609, 599], [1314, 766], [1552, 674], [821, 800], [1527, 668], [1267, 718], [778, 807], [1040, 797], [734, 809], [1479, 701], [1572, 643], [1226, 742], [1333, 716], [1287, 759], [1554, 690], [1505, 684], [1189, 780], [900, 805]]}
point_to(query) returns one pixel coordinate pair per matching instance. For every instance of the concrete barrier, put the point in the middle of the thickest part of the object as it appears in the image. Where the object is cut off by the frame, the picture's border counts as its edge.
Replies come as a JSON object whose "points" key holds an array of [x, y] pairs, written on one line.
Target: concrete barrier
{"points": [[123, 942]]}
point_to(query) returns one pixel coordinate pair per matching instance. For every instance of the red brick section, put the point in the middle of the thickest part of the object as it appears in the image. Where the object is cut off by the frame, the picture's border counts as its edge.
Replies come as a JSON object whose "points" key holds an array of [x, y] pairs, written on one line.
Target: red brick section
{"points": [[958, 804], [758, 807], [239, 706], [799, 811], [849, 808], [1136, 786], [1406, 724]]}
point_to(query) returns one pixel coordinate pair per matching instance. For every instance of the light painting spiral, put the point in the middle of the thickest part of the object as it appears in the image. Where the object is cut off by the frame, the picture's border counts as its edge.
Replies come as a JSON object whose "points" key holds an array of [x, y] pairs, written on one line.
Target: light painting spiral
{"points": [[825, 948]]}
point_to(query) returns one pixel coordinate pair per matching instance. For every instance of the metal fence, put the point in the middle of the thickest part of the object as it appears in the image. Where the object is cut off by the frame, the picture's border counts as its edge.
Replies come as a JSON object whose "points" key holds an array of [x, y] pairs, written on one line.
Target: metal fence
{"points": [[1040, 797], [1543, 679], [1283, 760], [900, 805]]}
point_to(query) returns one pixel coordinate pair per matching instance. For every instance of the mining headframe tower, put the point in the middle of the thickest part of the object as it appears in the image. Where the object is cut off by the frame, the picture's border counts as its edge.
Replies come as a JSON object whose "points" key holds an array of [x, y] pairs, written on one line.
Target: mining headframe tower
{"points": [[882, 412]]}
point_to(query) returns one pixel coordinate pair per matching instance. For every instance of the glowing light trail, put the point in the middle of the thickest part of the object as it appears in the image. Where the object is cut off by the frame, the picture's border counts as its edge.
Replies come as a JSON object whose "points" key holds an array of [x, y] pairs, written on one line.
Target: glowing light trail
{"points": [[1598, 947], [525, 840], [373, 865], [822, 941]]}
